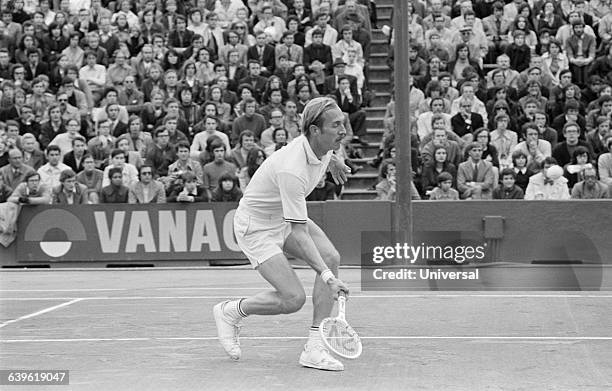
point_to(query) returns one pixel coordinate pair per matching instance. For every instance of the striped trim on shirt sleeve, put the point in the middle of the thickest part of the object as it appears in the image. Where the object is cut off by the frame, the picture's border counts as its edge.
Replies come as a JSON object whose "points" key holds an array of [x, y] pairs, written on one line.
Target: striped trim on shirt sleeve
{"points": [[295, 221]]}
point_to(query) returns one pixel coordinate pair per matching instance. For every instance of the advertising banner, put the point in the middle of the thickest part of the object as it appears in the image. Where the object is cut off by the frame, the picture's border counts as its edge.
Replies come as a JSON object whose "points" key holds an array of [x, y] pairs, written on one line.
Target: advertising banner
{"points": [[131, 232]]}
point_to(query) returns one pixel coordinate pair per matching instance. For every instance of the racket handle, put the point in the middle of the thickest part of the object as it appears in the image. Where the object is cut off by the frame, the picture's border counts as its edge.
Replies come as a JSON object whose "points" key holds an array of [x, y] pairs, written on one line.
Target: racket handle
{"points": [[341, 305]]}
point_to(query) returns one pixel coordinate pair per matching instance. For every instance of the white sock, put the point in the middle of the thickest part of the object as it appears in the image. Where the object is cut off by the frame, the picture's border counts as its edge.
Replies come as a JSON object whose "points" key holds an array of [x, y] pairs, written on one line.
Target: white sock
{"points": [[313, 335], [232, 309]]}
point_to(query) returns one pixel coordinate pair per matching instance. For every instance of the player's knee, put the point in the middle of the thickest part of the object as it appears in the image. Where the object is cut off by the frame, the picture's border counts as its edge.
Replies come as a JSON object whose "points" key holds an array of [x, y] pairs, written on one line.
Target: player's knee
{"points": [[293, 303]]}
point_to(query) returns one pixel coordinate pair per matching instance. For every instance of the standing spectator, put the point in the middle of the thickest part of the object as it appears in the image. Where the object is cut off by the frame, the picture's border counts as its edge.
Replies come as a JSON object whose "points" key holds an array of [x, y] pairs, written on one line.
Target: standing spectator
{"points": [[228, 189], [508, 190], [475, 178], [115, 192], [147, 190], [92, 178], [31, 191], [69, 192], [548, 184], [50, 172]]}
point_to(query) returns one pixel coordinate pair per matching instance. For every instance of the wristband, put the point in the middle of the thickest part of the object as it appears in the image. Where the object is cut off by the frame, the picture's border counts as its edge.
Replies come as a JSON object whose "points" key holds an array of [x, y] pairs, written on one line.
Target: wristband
{"points": [[327, 275]]}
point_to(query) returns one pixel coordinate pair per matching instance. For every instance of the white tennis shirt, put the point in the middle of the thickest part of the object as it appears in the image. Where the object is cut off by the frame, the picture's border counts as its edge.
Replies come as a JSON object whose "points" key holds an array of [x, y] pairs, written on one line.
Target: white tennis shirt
{"points": [[279, 187]]}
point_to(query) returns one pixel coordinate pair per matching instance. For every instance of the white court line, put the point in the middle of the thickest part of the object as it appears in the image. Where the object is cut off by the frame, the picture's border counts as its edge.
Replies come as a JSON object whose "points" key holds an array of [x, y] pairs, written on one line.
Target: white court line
{"points": [[419, 296], [55, 307], [400, 337]]}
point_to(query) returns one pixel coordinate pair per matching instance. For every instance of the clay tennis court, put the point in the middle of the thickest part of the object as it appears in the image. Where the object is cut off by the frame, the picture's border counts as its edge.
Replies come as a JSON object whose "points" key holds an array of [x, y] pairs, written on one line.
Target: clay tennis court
{"points": [[153, 330]]}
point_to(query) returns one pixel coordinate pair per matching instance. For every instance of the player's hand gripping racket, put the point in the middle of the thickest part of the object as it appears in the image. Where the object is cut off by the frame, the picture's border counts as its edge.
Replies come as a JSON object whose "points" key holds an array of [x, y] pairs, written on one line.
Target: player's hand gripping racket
{"points": [[338, 335]]}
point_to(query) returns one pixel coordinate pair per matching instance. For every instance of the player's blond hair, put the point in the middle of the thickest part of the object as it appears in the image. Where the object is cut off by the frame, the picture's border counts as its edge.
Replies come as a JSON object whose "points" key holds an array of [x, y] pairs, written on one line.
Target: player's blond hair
{"points": [[314, 110]]}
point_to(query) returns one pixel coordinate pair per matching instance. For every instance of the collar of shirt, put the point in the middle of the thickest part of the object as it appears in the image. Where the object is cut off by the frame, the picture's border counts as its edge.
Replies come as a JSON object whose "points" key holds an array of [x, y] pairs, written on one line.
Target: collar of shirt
{"points": [[311, 158]]}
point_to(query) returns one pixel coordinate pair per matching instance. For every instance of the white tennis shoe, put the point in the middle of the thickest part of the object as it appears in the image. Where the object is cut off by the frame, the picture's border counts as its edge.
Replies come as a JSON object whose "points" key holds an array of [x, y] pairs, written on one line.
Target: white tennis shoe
{"points": [[228, 331], [315, 355]]}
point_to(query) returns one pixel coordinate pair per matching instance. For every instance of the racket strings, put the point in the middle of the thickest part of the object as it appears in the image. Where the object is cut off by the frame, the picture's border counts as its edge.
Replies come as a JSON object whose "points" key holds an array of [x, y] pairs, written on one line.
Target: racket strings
{"points": [[341, 337]]}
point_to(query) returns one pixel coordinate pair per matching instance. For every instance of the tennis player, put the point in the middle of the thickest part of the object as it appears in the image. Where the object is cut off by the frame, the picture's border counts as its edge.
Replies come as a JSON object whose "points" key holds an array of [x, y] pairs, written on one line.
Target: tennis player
{"points": [[272, 219]]}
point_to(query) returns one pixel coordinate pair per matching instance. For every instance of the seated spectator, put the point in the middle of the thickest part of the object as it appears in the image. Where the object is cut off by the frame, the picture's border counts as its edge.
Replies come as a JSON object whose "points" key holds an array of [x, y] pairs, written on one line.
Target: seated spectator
{"points": [[64, 140], [604, 163], [32, 156], [228, 189], [580, 49], [533, 147], [147, 190], [444, 190], [245, 143], [184, 163], [69, 192], [386, 188], [351, 104], [31, 191], [219, 166], [51, 171], [318, 58], [521, 170], [504, 140], [548, 184], [590, 187], [189, 191], [508, 190], [546, 132], [267, 136], [254, 159], [571, 114], [206, 130], [129, 172], [250, 120], [466, 121], [132, 157], [92, 178], [574, 171], [475, 178], [101, 146], [74, 158], [563, 151], [432, 170], [160, 155], [597, 136], [519, 52], [5, 191], [440, 139], [279, 140], [116, 192]]}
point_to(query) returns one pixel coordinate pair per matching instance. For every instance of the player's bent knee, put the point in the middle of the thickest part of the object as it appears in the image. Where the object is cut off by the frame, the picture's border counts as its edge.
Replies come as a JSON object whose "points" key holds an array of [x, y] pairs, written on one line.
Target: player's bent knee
{"points": [[293, 303]]}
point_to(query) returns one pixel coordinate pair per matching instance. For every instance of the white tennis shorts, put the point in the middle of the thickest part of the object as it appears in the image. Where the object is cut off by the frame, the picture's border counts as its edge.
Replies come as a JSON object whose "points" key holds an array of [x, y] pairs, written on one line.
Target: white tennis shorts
{"points": [[260, 238]]}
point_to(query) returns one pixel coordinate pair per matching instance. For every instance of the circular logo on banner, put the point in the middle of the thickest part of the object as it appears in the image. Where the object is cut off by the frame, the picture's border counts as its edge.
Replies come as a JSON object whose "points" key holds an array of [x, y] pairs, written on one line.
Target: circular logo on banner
{"points": [[55, 230]]}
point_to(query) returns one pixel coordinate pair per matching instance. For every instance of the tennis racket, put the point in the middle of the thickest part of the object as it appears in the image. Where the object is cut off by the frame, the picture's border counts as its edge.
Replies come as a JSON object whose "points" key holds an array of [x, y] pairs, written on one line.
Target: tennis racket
{"points": [[338, 335]]}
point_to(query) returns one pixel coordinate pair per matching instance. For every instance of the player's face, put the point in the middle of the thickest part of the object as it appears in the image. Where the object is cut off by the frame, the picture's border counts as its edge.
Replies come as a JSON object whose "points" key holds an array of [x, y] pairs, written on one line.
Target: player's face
{"points": [[332, 131]]}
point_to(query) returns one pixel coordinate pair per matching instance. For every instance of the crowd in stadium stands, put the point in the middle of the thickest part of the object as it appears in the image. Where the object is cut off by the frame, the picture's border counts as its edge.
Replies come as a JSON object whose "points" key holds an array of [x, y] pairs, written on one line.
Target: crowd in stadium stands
{"points": [[140, 101]]}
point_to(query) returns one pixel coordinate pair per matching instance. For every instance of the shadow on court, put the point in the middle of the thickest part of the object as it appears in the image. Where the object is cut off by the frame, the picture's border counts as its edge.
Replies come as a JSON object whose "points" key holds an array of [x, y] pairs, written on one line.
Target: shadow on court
{"points": [[153, 330]]}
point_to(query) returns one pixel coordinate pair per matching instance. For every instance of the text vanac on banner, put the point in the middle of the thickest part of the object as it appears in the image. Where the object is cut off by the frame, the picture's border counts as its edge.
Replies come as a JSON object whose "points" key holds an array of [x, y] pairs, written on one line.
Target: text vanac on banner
{"points": [[126, 232]]}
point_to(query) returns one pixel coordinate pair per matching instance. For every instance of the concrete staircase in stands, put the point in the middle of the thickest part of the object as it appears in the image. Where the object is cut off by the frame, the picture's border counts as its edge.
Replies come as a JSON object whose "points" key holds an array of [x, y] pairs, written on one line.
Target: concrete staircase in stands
{"points": [[360, 185]]}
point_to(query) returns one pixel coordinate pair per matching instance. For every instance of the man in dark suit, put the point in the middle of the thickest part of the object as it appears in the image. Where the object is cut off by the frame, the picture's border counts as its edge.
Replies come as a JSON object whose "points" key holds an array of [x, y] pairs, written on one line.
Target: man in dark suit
{"points": [[263, 53], [475, 176], [564, 150], [350, 103], [318, 56], [74, 158], [180, 38], [597, 136], [571, 114], [466, 121], [255, 80], [331, 82], [35, 67]]}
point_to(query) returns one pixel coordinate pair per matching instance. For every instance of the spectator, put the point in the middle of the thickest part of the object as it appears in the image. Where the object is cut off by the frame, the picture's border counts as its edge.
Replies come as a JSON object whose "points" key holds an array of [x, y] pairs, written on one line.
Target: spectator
{"points": [[124, 143], [475, 178], [5, 191], [92, 178], [31, 191], [254, 159], [228, 189], [444, 190], [65, 141], [580, 49], [239, 153], [263, 53], [386, 188], [51, 171], [504, 140], [522, 171], [534, 148], [129, 172], [590, 187], [202, 137], [250, 120], [440, 139], [147, 190], [432, 170], [116, 192], [161, 155], [184, 163], [574, 171], [189, 191], [518, 52], [563, 151], [32, 156], [69, 192], [604, 163], [213, 170], [508, 190], [350, 104], [548, 184]]}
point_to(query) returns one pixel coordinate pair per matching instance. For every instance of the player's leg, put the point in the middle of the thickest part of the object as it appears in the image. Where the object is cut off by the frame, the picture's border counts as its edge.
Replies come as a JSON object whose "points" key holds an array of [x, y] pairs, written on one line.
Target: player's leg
{"points": [[315, 355], [288, 297]]}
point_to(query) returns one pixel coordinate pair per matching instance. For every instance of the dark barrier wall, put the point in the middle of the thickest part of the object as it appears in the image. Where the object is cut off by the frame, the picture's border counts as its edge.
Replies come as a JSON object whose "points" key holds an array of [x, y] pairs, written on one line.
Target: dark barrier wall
{"points": [[523, 230]]}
